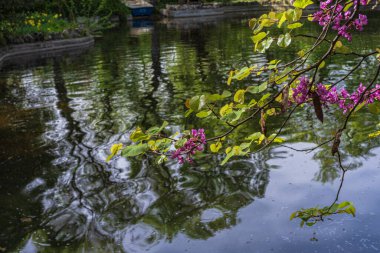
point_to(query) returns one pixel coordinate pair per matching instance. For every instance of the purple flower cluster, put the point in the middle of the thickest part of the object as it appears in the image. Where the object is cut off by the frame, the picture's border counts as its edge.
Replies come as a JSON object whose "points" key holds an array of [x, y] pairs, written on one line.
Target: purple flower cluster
{"points": [[195, 143], [340, 19], [300, 93], [345, 100], [342, 97]]}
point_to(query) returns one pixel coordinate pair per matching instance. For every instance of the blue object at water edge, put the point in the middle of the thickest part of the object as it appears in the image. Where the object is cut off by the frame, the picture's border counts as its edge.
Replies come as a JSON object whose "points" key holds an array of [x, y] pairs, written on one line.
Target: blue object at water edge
{"points": [[143, 11]]}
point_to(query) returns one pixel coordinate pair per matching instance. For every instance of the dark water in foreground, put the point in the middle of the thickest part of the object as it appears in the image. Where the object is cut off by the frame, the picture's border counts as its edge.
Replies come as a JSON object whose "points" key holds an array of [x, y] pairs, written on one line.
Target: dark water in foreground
{"points": [[59, 116]]}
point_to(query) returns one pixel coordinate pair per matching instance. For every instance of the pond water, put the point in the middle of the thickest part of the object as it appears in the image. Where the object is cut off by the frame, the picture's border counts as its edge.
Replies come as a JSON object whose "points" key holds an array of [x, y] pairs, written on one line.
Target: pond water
{"points": [[60, 115]]}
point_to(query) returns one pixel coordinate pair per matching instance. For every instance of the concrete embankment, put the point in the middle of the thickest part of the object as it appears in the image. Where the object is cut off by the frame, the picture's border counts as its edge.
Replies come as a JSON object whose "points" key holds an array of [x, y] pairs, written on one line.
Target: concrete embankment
{"points": [[27, 49], [194, 10], [204, 10]]}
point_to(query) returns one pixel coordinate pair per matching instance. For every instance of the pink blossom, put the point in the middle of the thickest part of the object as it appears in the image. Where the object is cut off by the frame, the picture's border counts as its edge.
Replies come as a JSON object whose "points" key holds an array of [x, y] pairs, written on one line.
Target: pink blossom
{"points": [[195, 143]]}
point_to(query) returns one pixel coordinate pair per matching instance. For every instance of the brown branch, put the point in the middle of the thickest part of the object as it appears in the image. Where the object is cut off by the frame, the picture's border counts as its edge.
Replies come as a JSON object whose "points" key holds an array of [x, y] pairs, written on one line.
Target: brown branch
{"points": [[279, 131], [353, 69], [308, 150]]}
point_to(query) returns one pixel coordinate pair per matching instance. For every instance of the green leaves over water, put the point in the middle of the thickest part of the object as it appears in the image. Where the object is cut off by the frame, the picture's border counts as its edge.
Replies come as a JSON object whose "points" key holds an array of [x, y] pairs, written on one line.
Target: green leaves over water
{"points": [[311, 216]]}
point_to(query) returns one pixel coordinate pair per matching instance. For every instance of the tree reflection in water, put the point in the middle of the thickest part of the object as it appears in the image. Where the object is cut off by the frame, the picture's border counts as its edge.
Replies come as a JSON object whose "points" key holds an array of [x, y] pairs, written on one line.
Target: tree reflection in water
{"points": [[140, 207]]}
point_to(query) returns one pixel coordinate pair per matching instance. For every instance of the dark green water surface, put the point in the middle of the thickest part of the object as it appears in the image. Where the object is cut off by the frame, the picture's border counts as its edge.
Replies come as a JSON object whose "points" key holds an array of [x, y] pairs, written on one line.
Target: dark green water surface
{"points": [[60, 115]]}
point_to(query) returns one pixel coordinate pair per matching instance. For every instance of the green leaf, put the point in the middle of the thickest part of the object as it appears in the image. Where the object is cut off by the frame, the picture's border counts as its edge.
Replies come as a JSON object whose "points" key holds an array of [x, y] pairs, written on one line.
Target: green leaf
{"points": [[153, 130], [266, 43], [180, 143], [273, 64], [138, 135], [267, 20], [289, 15], [257, 89], [235, 151], [252, 22], [239, 96], [217, 97], [135, 150], [226, 94], [293, 215], [282, 20], [284, 40], [230, 76], [194, 103], [263, 99], [334, 208], [252, 103], [297, 14], [259, 37], [360, 106], [261, 139], [374, 135], [271, 112], [245, 146], [322, 65], [232, 115], [344, 204], [302, 4], [295, 25], [225, 110], [114, 149], [301, 53], [243, 73], [228, 157], [261, 47], [215, 147], [161, 159], [348, 6], [163, 144], [156, 130], [254, 136], [278, 140], [351, 210], [203, 114], [281, 78], [188, 112]]}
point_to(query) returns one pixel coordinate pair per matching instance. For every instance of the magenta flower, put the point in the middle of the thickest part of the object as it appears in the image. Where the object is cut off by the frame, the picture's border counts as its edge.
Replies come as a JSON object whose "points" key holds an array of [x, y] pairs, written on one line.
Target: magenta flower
{"points": [[342, 98], [300, 92], [335, 14], [195, 143]]}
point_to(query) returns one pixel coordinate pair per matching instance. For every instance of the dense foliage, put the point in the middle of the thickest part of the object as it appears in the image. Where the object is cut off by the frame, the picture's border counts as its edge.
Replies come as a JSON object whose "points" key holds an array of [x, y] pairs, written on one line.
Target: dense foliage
{"points": [[69, 8], [29, 21], [286, 87]]}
